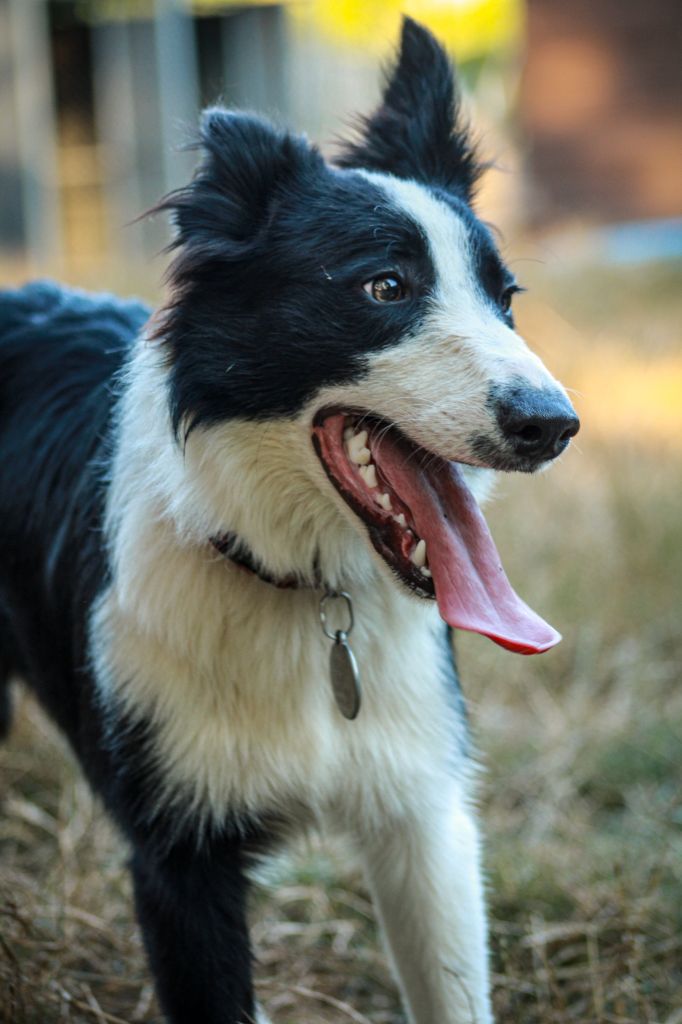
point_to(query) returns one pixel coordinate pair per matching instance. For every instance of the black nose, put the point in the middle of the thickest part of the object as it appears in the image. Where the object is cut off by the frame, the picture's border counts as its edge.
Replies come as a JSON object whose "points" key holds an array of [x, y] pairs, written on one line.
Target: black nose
{"points": [[536, 422]]}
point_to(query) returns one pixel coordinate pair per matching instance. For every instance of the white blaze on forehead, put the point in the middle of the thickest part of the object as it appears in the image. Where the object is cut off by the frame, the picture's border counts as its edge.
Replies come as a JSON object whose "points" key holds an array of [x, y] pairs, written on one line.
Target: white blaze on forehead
{"points": [[461, 313], [448, 240]]}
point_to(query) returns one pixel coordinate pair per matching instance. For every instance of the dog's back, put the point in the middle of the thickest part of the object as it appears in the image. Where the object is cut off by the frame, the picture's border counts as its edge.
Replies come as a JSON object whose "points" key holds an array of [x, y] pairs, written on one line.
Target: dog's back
{"points": [[59, 352]]}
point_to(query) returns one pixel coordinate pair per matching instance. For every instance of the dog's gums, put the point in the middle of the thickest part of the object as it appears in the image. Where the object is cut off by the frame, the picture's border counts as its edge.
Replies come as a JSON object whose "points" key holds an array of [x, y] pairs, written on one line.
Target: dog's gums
{"points": [[359, 479], [425, 523]]}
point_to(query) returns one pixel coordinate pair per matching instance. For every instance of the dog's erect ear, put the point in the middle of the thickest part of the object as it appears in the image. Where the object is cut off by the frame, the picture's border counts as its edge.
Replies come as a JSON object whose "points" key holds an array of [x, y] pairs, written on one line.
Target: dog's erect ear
{"points": [[417, 130], [246, 160]]}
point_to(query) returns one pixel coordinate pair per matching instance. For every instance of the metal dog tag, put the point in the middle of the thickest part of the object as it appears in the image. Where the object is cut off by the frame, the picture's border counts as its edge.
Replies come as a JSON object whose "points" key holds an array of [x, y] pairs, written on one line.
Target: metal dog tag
{"points": [[343, 668], [345, 678]]}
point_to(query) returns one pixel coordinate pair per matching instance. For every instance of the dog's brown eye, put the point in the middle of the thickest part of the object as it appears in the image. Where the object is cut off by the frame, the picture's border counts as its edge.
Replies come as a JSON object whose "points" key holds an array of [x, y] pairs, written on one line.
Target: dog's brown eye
{"points": [[387, 288]]}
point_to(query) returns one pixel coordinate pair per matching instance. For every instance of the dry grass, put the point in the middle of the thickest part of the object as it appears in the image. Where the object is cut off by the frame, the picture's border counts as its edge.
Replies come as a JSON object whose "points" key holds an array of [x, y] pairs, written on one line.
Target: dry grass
{"points": [[582, 795]]}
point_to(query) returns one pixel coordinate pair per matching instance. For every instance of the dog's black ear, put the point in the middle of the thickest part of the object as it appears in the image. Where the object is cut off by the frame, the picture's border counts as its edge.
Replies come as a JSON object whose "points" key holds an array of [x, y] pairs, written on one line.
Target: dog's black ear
{"points": [[246, 160], [417, 131]]}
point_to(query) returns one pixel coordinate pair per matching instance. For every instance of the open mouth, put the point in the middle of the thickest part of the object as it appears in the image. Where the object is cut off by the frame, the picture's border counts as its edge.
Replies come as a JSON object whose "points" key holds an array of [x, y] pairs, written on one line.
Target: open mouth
{"points": [[427, 526]]}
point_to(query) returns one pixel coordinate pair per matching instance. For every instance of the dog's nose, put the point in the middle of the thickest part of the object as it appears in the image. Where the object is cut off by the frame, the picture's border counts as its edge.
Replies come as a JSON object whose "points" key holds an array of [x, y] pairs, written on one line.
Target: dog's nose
{"points": [[537, 422]]}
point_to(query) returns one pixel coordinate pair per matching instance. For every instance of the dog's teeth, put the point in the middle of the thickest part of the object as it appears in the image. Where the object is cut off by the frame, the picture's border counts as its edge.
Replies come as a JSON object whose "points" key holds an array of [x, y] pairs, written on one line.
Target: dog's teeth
{"points": [[385, 501], [348, 433], [360, 458], [418, 556], [357, 442], [369, 475], [426, 572], [401, 520], [357, 449]]}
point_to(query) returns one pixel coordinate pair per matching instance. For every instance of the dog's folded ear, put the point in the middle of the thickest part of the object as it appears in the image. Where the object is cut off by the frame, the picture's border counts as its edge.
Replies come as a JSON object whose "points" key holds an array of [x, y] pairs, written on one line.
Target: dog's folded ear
{"points": [[417, 131], [246, 160]]}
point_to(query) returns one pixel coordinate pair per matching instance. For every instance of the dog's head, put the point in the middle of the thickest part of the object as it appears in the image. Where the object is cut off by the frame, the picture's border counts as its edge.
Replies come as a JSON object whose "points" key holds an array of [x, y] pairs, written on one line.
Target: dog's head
{"points": [[362, 306]]}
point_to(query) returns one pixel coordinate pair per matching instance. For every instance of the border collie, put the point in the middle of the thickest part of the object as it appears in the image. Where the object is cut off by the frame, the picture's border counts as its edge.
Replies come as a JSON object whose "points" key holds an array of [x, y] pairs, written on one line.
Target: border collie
{"points": [[235, 537]]}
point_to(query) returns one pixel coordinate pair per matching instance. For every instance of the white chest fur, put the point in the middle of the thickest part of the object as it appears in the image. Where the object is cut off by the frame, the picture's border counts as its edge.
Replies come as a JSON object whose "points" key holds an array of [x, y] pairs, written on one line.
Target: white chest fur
{"points": [[233, 674]]}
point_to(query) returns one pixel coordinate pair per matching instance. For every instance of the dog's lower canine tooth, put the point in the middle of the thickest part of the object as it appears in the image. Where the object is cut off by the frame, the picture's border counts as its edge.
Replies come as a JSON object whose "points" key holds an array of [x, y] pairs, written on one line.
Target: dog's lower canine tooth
{"points": [[418, 556], [385, 501], [426, 572], [369, 475]]}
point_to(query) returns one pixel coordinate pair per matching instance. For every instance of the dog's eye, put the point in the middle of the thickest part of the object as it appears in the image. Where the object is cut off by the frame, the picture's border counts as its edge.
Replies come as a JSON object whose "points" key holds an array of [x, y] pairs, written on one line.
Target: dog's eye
{"points": [[506, 297], [386, 288]]}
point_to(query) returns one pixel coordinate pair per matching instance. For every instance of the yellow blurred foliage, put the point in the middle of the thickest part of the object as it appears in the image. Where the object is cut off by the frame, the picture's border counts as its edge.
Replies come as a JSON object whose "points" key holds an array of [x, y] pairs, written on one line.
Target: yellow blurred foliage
{"points": [[471, 28]]}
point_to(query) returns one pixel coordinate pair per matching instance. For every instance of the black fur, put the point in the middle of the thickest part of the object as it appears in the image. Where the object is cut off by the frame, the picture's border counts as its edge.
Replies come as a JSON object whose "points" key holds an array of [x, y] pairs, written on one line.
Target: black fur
{"points": [[60, 352], [276, 268], [418, 131]]}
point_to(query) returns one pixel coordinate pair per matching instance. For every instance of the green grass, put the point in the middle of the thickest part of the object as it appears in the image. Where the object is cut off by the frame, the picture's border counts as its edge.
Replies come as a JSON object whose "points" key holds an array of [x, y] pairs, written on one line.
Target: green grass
{"points": [[581, 798]]}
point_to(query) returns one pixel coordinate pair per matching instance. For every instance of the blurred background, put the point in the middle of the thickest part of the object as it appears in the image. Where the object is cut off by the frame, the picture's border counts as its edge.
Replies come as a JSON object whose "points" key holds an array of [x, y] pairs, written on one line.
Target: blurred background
{"points": [[579, 106]]}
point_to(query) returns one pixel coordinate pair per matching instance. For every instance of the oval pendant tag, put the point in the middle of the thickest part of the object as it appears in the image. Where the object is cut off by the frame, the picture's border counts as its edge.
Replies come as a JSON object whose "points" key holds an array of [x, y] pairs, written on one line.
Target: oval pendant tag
{"points": [[345, 678]]}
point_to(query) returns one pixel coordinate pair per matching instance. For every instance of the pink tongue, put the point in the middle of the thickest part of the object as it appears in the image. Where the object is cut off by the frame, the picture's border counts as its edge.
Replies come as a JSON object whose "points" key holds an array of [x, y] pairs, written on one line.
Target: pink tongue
{"points": [[472, 589]]}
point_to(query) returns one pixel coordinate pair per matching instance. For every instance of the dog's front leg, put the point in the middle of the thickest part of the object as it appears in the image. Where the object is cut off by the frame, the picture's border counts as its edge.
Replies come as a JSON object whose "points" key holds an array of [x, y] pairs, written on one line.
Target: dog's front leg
{"points": [[425, 877], [190, 904]]}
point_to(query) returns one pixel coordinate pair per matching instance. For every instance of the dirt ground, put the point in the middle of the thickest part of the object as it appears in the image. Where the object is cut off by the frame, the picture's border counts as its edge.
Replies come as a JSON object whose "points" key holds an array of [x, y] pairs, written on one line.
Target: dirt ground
{"points": [[581, 797]]}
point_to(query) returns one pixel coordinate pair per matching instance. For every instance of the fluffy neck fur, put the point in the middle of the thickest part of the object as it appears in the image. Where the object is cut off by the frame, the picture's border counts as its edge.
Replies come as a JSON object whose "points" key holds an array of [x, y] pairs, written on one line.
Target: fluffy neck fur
{"points": [[233, 673], [260, 480]]}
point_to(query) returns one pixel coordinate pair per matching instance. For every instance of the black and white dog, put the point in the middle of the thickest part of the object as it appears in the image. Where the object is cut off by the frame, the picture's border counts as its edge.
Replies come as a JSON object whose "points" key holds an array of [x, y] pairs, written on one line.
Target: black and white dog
{"points": [[319, 408]]}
